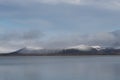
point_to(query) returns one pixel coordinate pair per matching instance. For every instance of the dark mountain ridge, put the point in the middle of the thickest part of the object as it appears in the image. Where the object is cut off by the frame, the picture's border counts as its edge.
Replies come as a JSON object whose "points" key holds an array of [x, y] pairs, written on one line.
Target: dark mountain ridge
{"points": [[64, 52]]}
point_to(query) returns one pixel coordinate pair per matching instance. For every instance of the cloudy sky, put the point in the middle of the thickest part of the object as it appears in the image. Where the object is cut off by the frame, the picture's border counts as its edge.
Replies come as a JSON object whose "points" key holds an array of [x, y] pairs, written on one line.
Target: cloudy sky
{"points": [[58, 23]]}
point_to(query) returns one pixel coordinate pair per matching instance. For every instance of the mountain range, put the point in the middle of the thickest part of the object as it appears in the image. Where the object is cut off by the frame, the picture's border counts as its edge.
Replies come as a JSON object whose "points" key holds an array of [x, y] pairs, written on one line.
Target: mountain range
{"points": [[70, 51]]}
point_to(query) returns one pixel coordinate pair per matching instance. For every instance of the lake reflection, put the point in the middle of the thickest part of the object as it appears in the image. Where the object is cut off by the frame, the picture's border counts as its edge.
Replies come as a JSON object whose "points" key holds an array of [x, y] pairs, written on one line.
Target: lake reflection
{"points": [[60, 68]]}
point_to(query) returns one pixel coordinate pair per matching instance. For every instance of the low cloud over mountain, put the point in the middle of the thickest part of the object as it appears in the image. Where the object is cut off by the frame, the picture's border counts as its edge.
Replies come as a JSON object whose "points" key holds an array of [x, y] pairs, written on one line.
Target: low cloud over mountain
{"points": [[104, 39], [12, 40], [34, 38]]}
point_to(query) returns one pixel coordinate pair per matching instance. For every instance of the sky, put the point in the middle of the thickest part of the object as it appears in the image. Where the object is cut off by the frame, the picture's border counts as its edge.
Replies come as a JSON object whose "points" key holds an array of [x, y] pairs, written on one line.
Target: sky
{"points": [[57, 24]]}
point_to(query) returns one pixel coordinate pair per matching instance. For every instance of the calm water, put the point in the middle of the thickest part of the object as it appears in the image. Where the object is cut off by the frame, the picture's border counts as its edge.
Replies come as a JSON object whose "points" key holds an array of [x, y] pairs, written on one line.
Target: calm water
{"points": [[60, 68]]}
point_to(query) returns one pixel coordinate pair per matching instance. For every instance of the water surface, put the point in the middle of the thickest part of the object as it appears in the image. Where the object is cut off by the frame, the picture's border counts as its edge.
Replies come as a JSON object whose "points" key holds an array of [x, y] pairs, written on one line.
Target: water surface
{"points": [[60, 68]]}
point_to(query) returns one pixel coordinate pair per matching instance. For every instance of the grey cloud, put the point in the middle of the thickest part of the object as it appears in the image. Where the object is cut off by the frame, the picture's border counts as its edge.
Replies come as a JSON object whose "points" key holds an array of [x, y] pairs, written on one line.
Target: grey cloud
{"points": [[27, 2], [33, 38], [58, 16], [12, 40], [21, 35], [107, 4], [33, 34], [105, 39], [111, 4]]}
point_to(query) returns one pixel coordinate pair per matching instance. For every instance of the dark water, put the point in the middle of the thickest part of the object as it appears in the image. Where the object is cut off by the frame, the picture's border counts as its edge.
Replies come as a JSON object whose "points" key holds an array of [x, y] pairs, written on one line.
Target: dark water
{"points": [[60, 68]]}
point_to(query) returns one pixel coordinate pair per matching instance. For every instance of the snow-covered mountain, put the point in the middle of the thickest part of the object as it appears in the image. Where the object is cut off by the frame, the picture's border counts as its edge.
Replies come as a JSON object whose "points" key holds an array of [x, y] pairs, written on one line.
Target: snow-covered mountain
{"points": [[74, 50], [85, 47], [32, 50]]}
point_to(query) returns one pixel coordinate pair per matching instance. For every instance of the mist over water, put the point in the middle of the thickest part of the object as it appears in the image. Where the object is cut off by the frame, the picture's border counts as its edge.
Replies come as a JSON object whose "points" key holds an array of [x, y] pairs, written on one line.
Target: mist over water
{"points": [[60, 68]]}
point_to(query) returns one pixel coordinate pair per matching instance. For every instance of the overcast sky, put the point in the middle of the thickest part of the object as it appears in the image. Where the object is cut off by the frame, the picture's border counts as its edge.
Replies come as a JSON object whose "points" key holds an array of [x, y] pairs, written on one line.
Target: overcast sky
{"points": [[58, 23]]}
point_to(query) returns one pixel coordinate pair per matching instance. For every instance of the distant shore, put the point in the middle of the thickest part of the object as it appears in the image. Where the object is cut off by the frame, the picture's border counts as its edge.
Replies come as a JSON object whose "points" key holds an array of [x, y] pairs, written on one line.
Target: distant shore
{"points": [[59, 55]]}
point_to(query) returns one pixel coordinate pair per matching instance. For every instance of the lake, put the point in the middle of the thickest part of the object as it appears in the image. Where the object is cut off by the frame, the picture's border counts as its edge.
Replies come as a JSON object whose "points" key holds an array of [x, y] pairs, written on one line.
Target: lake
{"points": [[60, 68]]}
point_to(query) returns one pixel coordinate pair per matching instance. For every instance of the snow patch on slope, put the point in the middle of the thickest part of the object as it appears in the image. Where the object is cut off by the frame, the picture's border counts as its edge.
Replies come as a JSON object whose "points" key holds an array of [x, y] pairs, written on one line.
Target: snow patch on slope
{"points": [[85, 47]]}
